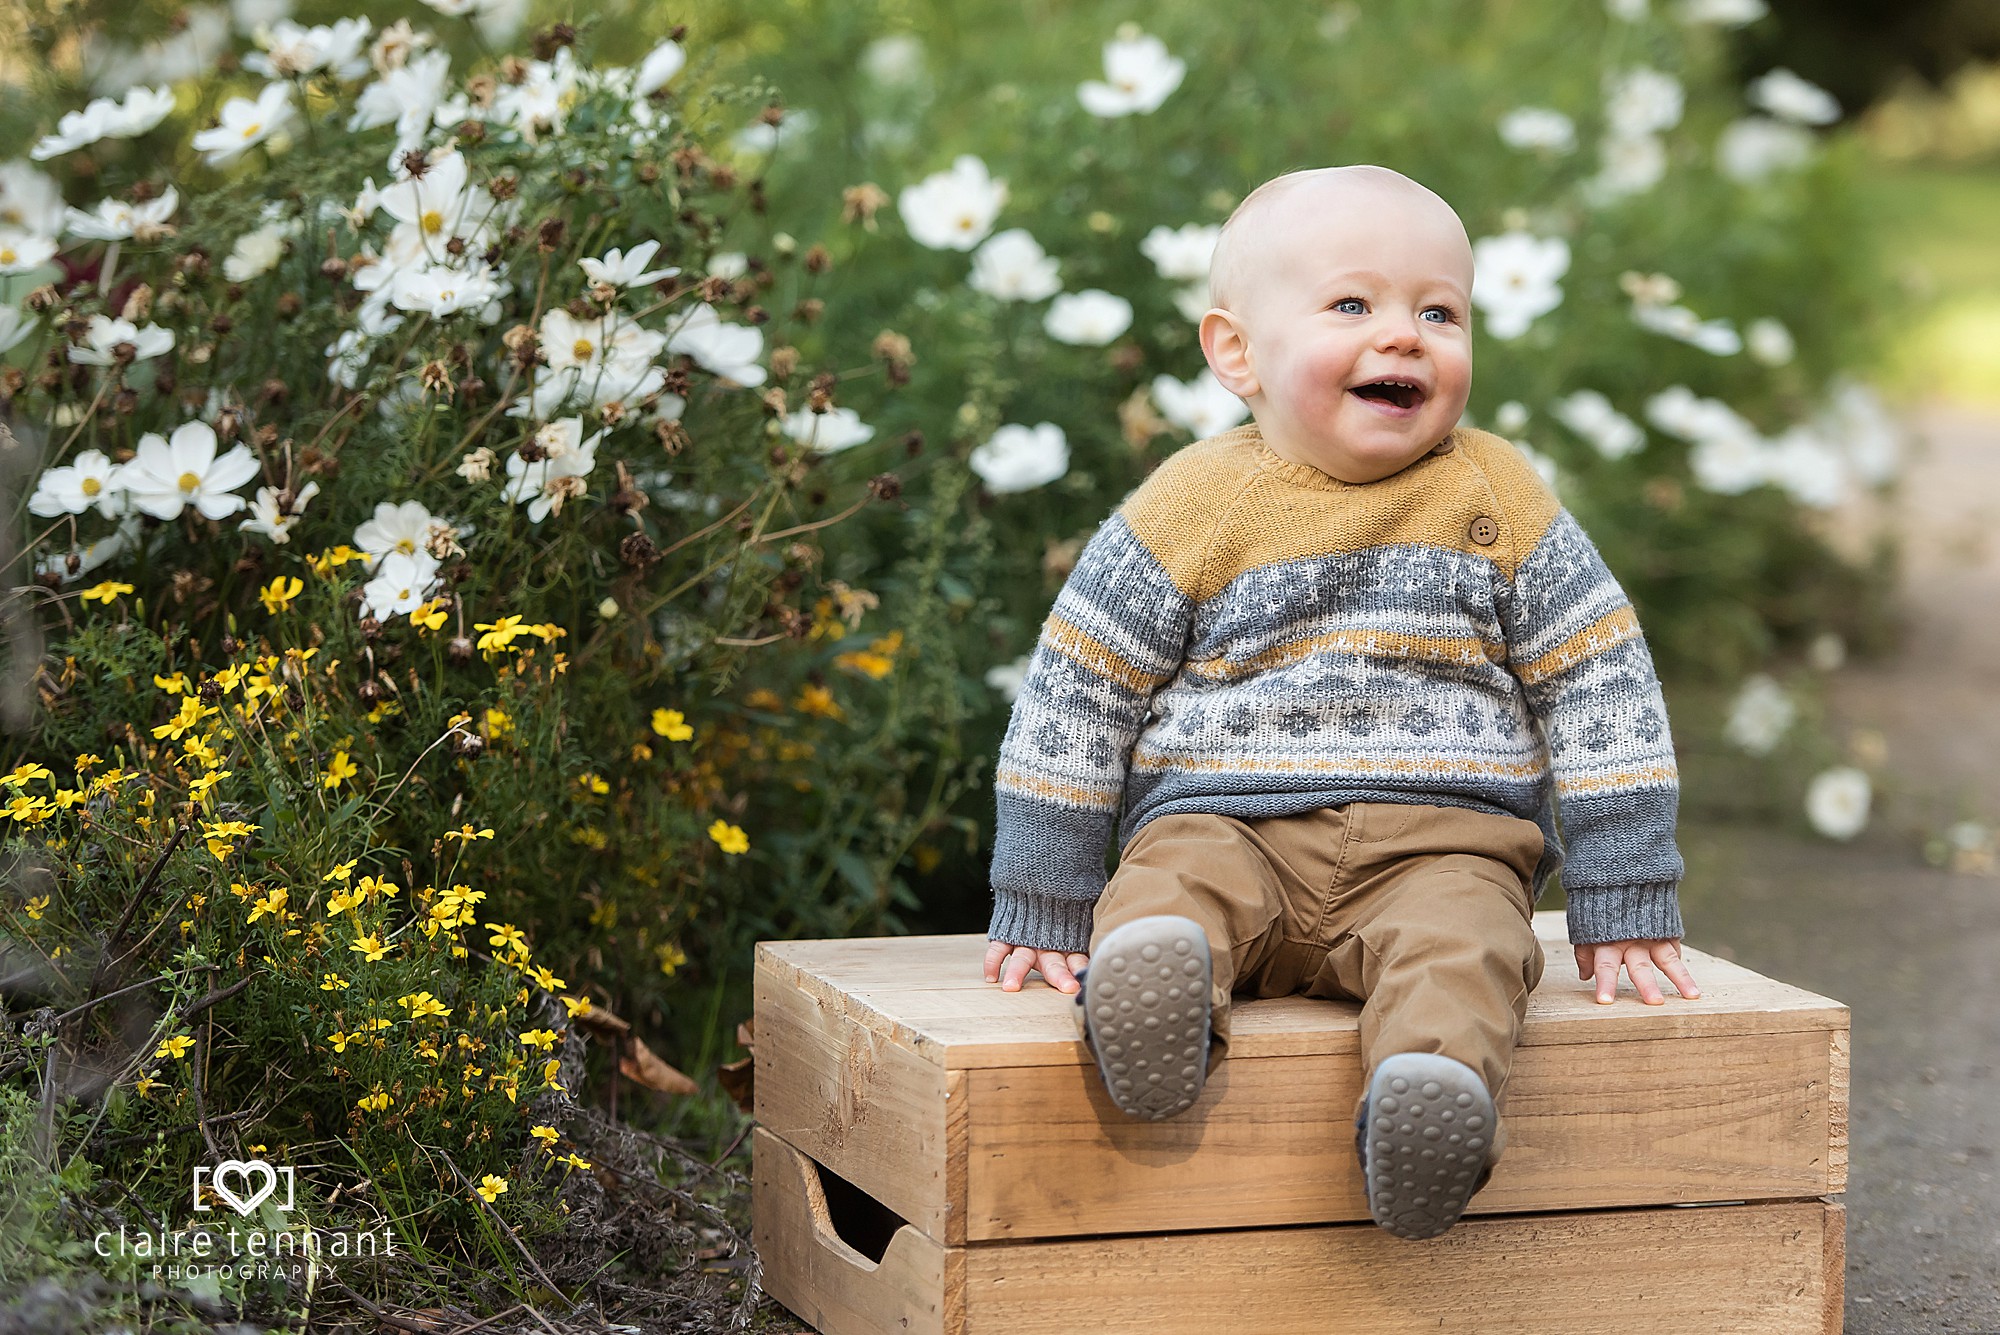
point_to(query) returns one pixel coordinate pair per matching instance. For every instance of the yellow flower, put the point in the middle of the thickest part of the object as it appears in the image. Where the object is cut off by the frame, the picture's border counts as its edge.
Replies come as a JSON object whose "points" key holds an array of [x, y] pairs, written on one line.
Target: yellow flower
{"points": [[338, 1041], [341, 872], [499, 634], [575, 1162], [878, 661], [593, 784], [37, 906], [369, 946], [423, 1004], [105, 592], [175, 1047], [729, 838], [376, 1102], [383, 709], [332, 982], [200, 748], [173, 685], [550, 1069], [498, 724], [231, 677], [343, 900], [192, 712], [146, 1085], [271, 906], [539, 1038], [278, 594], [670, 724], [432, 614], [548, 1135], [492, 1188], [763, 698], [671, 958], [338, 771], [465, 834], [376, 887], [546, 979], [29, 810], [87, 762], [326, 562], [576, 1006], [506, 936], [198, 790], [25, 773], [818, 700]]}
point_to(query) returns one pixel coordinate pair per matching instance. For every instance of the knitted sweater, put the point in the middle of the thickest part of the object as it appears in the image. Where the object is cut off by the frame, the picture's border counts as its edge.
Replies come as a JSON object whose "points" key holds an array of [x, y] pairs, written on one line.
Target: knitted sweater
{"points": [[1250, 637]]}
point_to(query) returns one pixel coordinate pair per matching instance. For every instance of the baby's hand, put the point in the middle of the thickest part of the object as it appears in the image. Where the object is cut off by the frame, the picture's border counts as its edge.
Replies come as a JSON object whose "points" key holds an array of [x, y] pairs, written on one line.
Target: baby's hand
{"points": [[1638, 959], [1058, 968]]}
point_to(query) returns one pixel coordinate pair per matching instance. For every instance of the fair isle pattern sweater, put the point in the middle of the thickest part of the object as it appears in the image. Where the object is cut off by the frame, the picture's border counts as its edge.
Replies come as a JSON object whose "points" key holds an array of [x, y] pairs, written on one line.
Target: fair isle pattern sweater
{"points": [[1250, 637]]}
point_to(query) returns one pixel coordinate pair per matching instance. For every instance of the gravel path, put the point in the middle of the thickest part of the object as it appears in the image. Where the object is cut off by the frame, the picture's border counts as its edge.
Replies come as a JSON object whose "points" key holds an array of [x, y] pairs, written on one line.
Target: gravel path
{"points": [[1909, 948]]}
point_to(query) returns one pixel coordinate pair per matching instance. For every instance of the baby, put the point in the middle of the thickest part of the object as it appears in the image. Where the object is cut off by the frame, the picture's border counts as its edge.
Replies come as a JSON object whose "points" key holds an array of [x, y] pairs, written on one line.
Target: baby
{"points": [[1338, 666]]}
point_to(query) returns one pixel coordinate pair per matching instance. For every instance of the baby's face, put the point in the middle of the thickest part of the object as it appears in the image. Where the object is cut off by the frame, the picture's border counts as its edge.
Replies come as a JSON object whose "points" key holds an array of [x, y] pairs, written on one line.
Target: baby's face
{"points": [[1355, 318]]}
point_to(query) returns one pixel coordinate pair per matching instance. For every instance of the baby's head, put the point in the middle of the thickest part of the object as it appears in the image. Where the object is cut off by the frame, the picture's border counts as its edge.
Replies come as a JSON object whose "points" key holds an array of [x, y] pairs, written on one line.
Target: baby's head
{"points": [[1342, 316]]}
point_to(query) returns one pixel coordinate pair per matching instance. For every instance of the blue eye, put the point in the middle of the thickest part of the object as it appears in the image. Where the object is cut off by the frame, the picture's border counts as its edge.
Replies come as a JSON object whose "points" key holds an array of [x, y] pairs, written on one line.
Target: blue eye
{"points": [[1439, 314], [1351, 306]]}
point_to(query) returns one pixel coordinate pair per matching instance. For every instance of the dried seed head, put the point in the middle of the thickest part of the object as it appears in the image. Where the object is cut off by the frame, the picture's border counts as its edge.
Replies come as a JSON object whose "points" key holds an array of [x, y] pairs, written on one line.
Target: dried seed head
{"points": [[885, 486], [369, 691], [863, 202], [44, 298], [774, 401], [371, 629], [673, 437], [416, 163], [460, 649], [549, 236], [289, 305], [784, 361], [333, 267], [138, 305], [818, 260], [809, 310], [436, 378], [504, 188], [638, 551]]}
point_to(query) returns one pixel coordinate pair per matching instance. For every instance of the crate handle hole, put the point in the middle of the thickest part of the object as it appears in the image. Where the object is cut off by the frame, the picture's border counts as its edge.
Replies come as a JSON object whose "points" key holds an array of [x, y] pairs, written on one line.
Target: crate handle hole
{"points": [[858, 1219]]}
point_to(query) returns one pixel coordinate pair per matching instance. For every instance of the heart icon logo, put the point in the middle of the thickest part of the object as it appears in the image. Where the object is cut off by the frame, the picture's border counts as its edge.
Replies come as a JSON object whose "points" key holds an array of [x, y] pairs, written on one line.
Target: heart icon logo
{"points": [[245, 1171]]}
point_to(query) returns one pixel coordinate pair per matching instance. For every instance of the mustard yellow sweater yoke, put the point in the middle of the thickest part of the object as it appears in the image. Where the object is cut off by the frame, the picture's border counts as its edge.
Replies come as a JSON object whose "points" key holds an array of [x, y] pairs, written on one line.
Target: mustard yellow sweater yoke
{"points": [[1250, 637]]}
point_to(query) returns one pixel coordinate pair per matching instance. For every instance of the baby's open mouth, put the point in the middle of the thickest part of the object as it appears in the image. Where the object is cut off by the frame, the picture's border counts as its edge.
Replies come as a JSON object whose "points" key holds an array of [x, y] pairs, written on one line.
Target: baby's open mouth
{"points": [[1403, 395]]}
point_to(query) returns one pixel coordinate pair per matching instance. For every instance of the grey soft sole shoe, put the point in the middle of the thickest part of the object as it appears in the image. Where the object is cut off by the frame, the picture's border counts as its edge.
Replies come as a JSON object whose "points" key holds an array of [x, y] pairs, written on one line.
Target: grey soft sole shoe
{"points": [[1424, 1142], [1146, 1014]]}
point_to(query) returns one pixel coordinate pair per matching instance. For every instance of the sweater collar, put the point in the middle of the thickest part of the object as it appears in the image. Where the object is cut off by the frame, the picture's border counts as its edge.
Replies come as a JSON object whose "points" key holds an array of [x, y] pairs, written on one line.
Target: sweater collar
{"points": [[1305, 475]]}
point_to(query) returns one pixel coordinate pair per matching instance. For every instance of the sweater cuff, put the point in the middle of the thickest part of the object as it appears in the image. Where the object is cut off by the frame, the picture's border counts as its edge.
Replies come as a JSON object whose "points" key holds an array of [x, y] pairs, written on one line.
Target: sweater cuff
{"points": [[1650, 912], [1041, 922]]}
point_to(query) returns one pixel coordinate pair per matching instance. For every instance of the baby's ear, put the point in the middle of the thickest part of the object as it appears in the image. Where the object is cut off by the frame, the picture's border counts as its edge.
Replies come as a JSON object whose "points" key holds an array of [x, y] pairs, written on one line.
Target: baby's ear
{"points": [[1227, 349]]}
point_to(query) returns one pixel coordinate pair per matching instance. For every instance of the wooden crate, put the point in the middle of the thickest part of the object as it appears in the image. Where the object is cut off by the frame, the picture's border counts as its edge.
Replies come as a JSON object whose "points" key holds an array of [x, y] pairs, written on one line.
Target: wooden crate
{"points": [[973, 1122]]}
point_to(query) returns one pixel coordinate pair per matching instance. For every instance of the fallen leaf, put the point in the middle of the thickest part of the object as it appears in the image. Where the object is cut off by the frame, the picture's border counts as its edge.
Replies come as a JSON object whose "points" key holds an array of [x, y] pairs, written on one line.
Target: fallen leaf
{"points": [[638, 1063], [739, 1081]]}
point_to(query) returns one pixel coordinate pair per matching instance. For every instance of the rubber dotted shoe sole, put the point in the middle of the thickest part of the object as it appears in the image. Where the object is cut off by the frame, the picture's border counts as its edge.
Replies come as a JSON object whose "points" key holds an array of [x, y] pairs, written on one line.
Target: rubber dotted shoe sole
{"points": [[1146, 1014], [1423, 1145]]}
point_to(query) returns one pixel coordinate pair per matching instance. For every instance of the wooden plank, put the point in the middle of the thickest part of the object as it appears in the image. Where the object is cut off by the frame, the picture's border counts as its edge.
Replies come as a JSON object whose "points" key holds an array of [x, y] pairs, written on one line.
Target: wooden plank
{"points": [[1836, 1111], [1272, 1141], [1721, 1270], [854, 1096], [927, 993], [833, 1287]]}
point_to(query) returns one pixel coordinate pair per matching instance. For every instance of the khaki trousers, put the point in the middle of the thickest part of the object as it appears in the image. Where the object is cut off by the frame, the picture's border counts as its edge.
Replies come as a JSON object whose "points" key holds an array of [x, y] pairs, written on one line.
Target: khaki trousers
{"points": [[1422, 913]]}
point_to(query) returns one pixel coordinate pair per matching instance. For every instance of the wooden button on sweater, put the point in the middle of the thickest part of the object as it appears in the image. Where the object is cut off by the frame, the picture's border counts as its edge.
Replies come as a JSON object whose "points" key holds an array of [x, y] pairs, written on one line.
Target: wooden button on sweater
{"points": [[1484, 531]]}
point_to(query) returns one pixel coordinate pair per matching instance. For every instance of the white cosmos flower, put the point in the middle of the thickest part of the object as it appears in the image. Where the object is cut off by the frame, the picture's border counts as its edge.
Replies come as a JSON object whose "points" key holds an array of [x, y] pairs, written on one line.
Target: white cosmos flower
{"points": [[1510, 419], [1760, 715], [1626, 11], [91, 555], [607, 341], [1642, 101], [115, 220], [1088, 319], [168, 474], [1008, 678], [1515, 280], [30, 200], [1138, 76], [1723, 13], [101, 340], [1729, 457], [627, 268], [105, 118], [255, 253], [1192, 301], [1012, 266], [662, 63], [245, 124], [1808, 467], [1626, 165], [250, 15], [546, 483], [405, 97], [1200, 406], [1770, 342], [896, 60], [439, 290], [89, 481], [1538, 128], [728, 350], [829, 432], [728, 265], [540, 102], [1590, 415], [1021, 458], [14, 327], [1182, 254], [1716, 337], [1837, 802], [401, 584], [1790, 98], [1868, 435], [291, 50], [1750, 150], [395, 528], [953, 210], [271, 519], [23, 251], [437, 206]]}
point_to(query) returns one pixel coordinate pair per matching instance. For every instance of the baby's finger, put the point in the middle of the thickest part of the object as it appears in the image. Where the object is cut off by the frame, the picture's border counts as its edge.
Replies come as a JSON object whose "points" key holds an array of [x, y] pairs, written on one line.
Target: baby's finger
{"points": [[1583, 957], [995, 952], [1640, 967], [1668, 957], [1055, 970], [1606, 972], [1078, 962], [1019, 962]]}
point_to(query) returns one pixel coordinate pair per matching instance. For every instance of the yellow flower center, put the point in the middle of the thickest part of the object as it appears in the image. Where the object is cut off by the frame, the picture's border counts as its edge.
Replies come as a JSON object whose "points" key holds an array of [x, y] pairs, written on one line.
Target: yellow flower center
{"points": [[190, 482], [91, 486], [581, 350], [7, 255], [406, 546], [250, 130], [432, 222]]}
